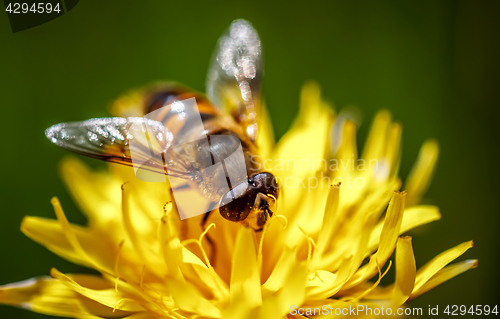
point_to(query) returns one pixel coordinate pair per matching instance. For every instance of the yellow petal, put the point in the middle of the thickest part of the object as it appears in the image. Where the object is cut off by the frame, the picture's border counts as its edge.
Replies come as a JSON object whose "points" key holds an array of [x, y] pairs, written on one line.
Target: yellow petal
{"points": [[281, 271], [133, 235], [393, 151], [437, 263], [68, 232], [351, 260], [445, 274], [405, 271], [292, 292], [142, 315], [413, 217], [347, 151], [208, 280], [349, 232], [391, 228], [129, 104], [297, 153], [49, 296], [330, 220], [390, 232], [50, 234], [374, 145], [421, 174], [245, 291], [310, 104], [99, 196], [100, 204], [184, 293], [106, 296], [330, 283]]}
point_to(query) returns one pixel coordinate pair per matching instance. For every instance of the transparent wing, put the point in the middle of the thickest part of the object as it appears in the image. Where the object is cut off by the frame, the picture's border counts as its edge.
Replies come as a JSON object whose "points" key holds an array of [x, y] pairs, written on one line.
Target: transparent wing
{"points": [[234, 77], [135, 141]]}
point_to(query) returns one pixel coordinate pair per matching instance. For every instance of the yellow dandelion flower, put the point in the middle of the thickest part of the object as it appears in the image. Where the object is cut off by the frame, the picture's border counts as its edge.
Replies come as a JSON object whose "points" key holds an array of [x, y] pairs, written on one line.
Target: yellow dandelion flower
{"points": [[327, 247]]}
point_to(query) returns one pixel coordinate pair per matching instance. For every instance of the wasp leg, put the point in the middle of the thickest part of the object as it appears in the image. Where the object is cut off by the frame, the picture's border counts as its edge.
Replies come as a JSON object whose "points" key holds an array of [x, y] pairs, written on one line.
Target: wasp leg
{"points": [[213, 251]]}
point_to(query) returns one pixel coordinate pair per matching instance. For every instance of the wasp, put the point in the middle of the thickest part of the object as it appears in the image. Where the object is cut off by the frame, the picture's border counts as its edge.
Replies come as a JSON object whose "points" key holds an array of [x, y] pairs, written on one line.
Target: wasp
{"points": [[195, 142]]}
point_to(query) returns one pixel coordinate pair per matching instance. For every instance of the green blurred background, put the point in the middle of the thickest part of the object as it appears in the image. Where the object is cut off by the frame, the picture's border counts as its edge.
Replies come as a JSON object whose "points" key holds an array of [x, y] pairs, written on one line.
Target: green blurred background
{"points": [[434, 64]]}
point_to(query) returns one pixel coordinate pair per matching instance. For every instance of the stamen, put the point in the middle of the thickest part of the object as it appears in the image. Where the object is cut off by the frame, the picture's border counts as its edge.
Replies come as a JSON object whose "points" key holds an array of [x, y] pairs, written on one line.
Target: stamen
{"points": [[122, 301], [310, 245], [316, 276], [282, 219], [206, 231], [313, 248], [67, 231], [376, 283], [198, 242]]}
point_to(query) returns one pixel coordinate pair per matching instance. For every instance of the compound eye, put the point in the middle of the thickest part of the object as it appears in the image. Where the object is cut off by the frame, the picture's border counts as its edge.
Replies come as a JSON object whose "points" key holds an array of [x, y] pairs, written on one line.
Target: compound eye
{"points": [[235, 211], [266, 183], [236, 204]]}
